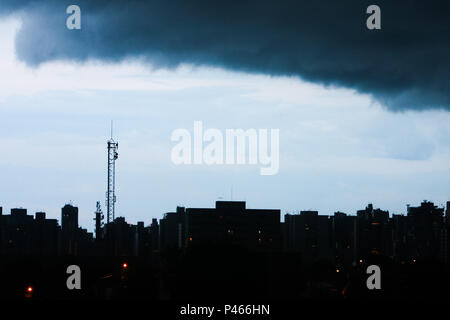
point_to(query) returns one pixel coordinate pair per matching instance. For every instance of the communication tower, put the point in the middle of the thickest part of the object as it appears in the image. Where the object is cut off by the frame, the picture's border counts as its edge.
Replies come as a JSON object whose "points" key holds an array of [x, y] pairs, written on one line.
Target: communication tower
{"points": [[113, 146]]}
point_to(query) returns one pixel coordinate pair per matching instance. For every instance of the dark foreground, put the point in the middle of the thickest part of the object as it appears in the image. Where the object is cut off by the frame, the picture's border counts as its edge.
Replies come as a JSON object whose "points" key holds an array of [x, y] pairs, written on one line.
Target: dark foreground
{"points": [[218, 275]]}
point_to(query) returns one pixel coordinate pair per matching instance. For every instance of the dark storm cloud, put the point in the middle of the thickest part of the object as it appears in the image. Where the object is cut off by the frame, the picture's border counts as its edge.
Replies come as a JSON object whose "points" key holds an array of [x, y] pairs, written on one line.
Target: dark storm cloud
{"points": [[406, 65]]}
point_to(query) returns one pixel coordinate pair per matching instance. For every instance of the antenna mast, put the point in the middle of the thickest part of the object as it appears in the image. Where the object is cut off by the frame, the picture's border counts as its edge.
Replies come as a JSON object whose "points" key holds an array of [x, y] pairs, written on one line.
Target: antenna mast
{"points": [[98, 222], [110, 192]]}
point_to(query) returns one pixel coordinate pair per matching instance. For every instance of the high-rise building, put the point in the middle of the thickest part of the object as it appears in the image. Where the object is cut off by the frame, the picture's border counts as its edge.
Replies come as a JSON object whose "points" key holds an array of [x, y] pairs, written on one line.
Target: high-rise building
{"points": [[172, 228], [400, 249], [308, 233], [74, 240], [23, 235], [69, 218], [374, 232], [229, 223], [425, 224], [121, 238], [344, 235]]}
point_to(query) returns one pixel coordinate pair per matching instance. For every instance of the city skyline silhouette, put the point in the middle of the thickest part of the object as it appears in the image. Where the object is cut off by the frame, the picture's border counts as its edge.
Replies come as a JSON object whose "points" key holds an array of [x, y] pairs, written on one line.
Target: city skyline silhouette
{"points": [[266, 150], [324, 255]]}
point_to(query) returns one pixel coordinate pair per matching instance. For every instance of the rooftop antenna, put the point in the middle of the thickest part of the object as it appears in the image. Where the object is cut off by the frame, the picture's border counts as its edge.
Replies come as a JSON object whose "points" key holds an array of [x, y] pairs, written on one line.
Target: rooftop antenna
{"points": [[111, 183], [98, 221]]}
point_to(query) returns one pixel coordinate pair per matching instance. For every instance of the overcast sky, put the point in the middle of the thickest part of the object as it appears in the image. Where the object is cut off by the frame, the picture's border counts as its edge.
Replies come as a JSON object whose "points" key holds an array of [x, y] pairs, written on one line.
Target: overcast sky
{"points": [[343, 143]]}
